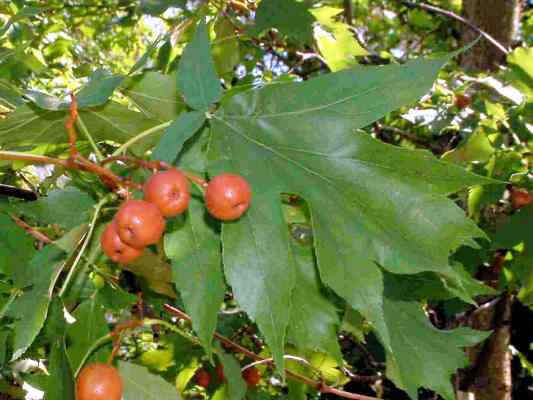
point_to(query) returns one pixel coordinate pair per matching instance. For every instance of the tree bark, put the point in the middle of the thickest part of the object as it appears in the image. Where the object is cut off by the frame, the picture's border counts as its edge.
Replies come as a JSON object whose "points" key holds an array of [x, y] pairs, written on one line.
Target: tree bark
{"points": [[500, 19], [491, 377]]}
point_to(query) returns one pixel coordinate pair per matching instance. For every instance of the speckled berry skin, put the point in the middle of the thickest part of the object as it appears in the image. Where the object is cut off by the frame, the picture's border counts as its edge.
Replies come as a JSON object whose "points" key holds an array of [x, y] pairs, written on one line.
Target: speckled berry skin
{"points": [[115, 248], [227, 197], [169, 191], [140, 223]]}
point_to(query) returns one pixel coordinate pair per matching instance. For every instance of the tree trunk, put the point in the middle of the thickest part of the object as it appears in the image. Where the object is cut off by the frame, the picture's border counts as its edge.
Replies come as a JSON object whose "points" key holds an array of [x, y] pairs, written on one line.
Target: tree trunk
{"points": [[491, 377], [500, 19]]}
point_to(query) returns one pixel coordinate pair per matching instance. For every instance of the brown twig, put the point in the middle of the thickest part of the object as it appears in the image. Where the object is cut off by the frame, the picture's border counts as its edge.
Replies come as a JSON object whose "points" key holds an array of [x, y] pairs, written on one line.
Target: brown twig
{"points": [[318, 385], [41, 237], [78, 162], [450, 14], [69, 125]]}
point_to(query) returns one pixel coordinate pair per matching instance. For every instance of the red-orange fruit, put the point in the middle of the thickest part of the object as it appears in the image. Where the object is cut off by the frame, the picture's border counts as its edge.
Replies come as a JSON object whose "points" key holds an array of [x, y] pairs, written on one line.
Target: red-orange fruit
{"points": [[168, 190], [252, 376], [99, 382], [140, 223], [462, 101], [202, 378], [520, 198], [219, 370], [227, 197], [116, 249]]}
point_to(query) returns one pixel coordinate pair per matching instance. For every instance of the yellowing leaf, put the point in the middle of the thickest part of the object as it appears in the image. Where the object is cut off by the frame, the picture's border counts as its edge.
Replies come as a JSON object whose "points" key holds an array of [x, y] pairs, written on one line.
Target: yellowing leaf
{"points": [[335, 41]]}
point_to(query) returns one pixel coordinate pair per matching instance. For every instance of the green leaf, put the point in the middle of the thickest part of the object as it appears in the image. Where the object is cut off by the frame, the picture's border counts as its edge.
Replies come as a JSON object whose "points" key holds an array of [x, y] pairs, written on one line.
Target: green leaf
{"points": [[369, 202], [464, 286], [516, 230], [197, 80], [156, 7], [354, 323], [143, 60], [194, 249], [455, 283], [24, 12], [10, 96], [420, 355], [515, 233], [30, 309], [16, 249], [314, 321], [154, 271], [29, 125], [292, 18], [226, 52], [477, 148], [336, 41], [236, 386], [140, 384], [115, 299], [90, 325], [297, 391], [520, 71], [99, 89], [57, 207], [62, 385], [155, 94], [181, 130]]}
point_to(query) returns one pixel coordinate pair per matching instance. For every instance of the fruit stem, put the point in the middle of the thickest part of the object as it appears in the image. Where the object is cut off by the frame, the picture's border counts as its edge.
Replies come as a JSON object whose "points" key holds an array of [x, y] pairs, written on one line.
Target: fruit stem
{"points": [[89, 137], [196, 180], [95, 346], [122, 149], [86, 241]]}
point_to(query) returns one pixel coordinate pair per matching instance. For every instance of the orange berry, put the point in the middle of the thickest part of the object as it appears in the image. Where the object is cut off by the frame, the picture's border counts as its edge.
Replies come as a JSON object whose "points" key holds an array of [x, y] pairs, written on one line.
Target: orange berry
{"points": [[227, 197], [139, 223], [99, 381], [168, 190], [116, 249]]}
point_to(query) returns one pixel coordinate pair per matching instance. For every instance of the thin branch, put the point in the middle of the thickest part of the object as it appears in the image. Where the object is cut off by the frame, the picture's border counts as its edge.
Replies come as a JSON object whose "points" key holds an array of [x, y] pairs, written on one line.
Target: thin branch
{"points": [[318, 385], [348, 11], [69, 125], [450, 14], [78, 162], [41, 237]]}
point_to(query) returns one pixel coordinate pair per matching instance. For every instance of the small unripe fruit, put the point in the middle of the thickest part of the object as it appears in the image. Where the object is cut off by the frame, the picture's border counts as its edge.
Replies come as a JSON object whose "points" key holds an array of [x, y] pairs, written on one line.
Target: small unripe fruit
{"points": [[139, 223], [520, 198], [252, 376], [227, 197], [115, 248], [202, 378], [169, 191], [99, 382]]}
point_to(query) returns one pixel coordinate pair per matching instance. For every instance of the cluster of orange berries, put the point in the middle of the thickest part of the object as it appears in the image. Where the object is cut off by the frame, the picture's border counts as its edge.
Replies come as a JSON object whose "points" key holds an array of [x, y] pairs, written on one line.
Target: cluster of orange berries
{"points": [[140, 223]]}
